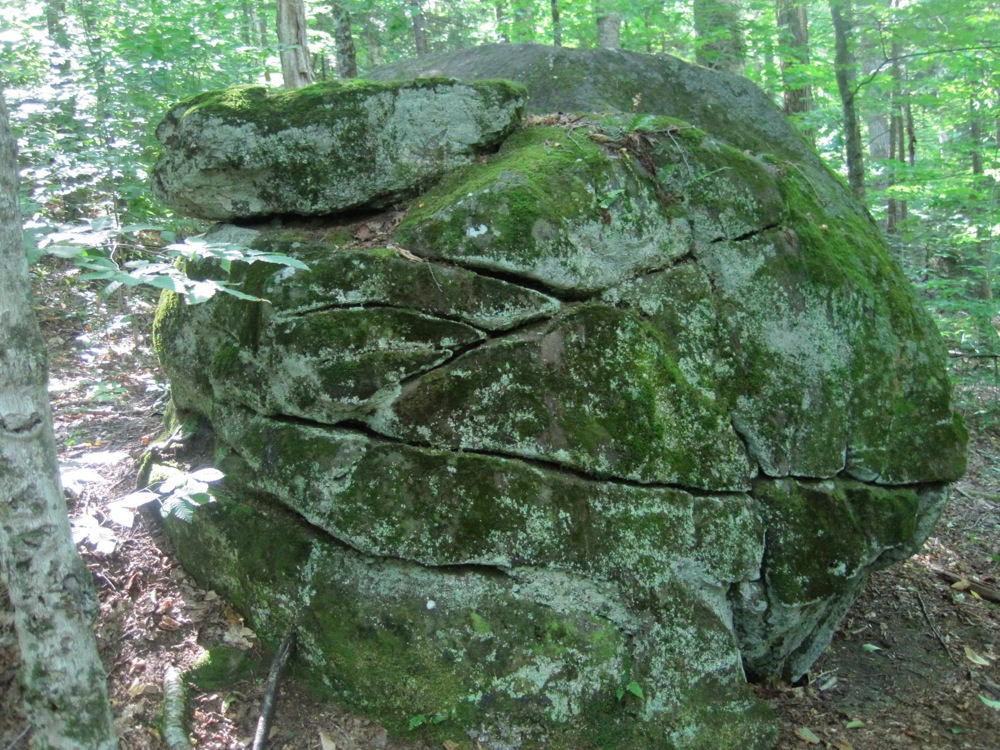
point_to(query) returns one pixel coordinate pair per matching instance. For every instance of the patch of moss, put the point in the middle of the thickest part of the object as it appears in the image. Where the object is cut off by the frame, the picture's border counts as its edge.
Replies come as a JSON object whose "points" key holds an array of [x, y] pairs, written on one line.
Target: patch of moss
{"points": [[223, 668], [553, 207]]}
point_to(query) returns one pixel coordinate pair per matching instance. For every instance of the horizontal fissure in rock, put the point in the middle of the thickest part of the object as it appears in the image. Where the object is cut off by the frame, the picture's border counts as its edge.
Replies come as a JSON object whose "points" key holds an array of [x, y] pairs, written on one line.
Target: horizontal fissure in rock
{"points": [[362, 428]]}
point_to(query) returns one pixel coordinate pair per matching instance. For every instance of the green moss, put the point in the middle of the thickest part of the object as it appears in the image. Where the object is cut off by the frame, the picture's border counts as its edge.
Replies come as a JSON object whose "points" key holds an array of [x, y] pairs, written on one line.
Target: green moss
{"points": [[624, 409], [553, 207], [223, 668]]}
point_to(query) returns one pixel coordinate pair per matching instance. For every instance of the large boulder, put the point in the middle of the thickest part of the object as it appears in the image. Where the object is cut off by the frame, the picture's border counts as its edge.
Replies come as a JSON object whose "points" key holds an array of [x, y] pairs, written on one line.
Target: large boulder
{"points": [[251, 151], [607, 422]]}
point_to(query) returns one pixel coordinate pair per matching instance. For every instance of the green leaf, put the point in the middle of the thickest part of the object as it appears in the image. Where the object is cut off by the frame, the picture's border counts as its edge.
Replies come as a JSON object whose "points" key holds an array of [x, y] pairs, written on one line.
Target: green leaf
{"points": [[871, 647], [280, 260], [636, 689], [416, 721], [207, 475], [991, 703], [65, 251]]}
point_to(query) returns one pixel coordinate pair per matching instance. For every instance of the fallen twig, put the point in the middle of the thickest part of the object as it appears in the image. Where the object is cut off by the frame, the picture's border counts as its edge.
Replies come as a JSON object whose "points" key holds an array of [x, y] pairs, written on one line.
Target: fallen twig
{"points": [[937, 634], [981, 589], [271, 692], [174, 736]]}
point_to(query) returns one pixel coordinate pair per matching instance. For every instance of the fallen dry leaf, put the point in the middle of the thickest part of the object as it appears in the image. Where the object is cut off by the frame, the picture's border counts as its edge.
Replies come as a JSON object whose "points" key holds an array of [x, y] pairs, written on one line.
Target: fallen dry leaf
{"points": [[168, 623], [807, 735], [326, 741]]}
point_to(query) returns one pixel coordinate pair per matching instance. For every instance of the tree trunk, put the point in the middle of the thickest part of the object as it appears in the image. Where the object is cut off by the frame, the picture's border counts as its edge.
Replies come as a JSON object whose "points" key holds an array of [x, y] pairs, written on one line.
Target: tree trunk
{"points": [[65, 696], [502, 21], [296, 69], [896, 207], [556, 27], [719, 29], [261, 23], [609, 31], [246, 23], [373, 41], [419, 28], [843, 26], [793, 24], [55, 22], [347, 57]]}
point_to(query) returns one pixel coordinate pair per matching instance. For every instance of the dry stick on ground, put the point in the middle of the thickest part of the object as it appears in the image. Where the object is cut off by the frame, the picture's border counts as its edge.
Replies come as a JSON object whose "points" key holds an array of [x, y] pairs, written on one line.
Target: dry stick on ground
{"points": [[271, 691], [981, 589], [937, 634]]}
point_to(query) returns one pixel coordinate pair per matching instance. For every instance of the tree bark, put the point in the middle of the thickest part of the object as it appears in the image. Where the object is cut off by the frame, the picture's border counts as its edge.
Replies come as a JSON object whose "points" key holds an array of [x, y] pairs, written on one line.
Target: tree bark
{"points": [[719, 29], [347, 56], [793, 24], [419, 27], [502, 21], [296, 68], [556, 26], [65, 696], [609, 31], [843, 26]]}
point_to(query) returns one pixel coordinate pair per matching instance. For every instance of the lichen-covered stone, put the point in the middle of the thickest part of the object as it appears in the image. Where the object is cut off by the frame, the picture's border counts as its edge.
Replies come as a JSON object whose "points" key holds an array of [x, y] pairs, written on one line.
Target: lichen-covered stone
{"points": [[824, 540], [252, 151], [626, 408]]}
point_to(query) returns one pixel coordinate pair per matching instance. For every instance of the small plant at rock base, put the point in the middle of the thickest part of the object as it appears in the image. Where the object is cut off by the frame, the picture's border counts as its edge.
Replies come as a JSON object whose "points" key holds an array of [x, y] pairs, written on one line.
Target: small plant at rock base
{"points": [[421, 719], [178, 496], [632, 687]]}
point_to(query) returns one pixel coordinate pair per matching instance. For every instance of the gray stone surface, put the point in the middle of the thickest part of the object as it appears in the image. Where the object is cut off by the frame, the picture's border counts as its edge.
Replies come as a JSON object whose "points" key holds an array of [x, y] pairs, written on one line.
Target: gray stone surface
{"points": [[250, 151], [605, 420]]}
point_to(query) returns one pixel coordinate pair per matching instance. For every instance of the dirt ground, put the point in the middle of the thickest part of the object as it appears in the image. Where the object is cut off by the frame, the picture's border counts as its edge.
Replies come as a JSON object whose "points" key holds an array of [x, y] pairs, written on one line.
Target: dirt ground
{"points": [[911, 667]]}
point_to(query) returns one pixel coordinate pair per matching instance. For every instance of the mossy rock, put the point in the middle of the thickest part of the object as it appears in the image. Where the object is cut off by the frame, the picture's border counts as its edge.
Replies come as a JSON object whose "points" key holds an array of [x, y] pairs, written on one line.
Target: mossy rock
{"points": [[610, 416], [251, 151]]}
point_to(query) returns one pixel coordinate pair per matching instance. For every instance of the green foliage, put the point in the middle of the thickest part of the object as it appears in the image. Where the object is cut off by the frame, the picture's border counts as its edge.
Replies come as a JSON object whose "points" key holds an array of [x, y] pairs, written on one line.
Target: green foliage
{"points": [[178, 496], [630, 688]]}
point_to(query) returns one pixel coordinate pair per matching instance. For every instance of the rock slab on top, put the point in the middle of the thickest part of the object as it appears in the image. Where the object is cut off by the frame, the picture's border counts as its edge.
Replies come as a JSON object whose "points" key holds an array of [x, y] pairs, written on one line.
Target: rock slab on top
{"points": [[250, 151]]}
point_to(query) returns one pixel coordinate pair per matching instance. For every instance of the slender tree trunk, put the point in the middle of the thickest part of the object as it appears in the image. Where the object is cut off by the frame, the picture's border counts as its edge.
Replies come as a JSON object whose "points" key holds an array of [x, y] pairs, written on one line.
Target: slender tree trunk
{"points": [[419, 27], [260, 21], [347, 58], [502, 21], [373, 41], [719, 28], [983, 288], [793, 24], [609, 31], [246, 23], [556, 26], [55, 22], [843, 26], [896, 207], [66, 696], [296, 69]]}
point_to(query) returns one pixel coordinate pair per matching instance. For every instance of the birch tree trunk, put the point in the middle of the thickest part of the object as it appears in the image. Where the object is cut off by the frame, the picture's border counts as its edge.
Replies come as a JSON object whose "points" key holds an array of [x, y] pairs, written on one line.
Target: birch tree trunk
{"points": [[296, 68], [65, 695], [609, 31]]}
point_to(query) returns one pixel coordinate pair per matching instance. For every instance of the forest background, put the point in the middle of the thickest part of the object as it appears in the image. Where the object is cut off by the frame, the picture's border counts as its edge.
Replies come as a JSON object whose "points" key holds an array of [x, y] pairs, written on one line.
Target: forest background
{"points": [[900, 97]]}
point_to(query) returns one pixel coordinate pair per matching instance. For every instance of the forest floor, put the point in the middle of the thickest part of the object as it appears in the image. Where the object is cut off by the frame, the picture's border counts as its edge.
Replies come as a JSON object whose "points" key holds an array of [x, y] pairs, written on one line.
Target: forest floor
{"points": [[909, 667]]}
